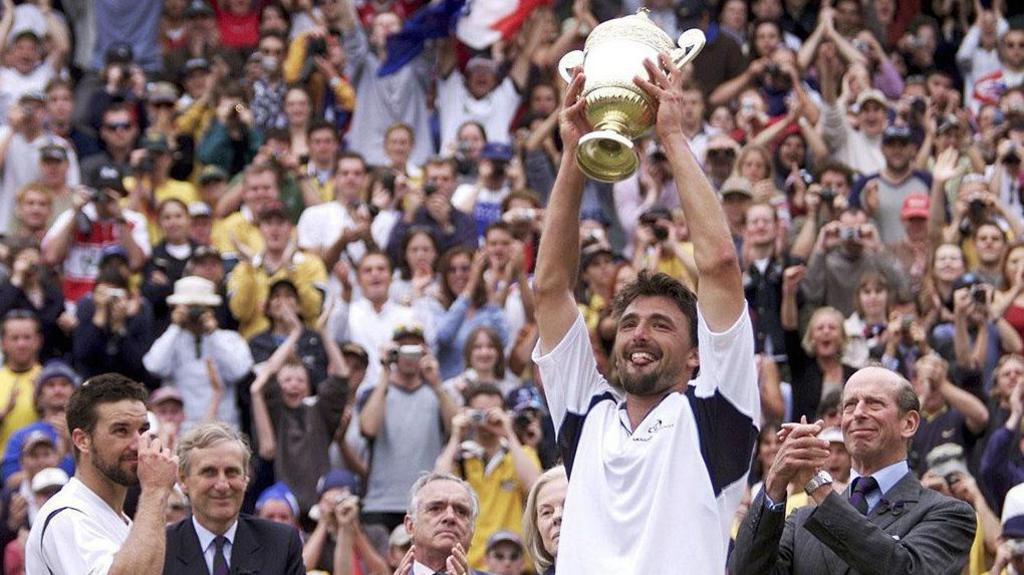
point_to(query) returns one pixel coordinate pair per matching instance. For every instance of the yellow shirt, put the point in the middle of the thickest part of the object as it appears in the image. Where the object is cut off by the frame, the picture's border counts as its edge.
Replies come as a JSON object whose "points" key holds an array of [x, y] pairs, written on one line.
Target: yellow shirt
{"points": [[502, 499], [24, 411], [249, 290], [243, 228], [170, 190]]}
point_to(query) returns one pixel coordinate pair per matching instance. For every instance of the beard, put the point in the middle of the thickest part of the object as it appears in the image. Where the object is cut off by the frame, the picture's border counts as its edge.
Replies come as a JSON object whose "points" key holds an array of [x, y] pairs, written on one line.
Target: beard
{"points": [[641, 384], [113, 472]]}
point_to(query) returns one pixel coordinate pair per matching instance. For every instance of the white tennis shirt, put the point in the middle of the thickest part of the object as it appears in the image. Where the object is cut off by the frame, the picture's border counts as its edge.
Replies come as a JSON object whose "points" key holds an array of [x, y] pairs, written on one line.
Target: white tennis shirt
{"points": [[661, 498]]}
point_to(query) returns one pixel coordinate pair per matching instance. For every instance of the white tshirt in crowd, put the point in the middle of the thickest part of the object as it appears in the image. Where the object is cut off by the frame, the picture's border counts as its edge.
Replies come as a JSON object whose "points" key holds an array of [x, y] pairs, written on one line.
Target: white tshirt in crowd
{"points": [[665, 493], [82, 534], [457, 106]]}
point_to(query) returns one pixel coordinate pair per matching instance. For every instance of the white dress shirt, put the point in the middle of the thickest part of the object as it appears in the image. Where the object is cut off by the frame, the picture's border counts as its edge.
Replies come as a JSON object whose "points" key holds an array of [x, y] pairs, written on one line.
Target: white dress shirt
{"points": [[206, 538]]}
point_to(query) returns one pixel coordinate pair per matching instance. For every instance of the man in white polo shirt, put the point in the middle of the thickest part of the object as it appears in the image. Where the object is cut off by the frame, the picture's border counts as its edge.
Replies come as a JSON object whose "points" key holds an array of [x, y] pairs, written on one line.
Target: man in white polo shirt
{"points": [[83, 528], [656, 470]]}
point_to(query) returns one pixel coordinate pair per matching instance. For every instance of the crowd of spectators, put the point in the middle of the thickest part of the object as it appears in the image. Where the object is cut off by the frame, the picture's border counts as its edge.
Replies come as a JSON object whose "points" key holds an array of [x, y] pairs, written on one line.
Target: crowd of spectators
{"points": [[279, 216]]}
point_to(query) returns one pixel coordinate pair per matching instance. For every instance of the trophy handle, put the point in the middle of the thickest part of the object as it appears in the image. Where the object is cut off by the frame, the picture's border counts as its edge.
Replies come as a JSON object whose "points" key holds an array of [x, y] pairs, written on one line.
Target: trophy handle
{"points": [[568, 62], [690, 43]]}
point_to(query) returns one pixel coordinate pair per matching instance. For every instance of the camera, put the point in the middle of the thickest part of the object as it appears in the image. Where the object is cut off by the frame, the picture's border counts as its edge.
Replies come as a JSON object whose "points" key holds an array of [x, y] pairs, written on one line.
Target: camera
{"points": [[145, 165], [116, 293], [861, 46], [976, 207], [849, 234], [906, 322], [979, 294], [429, 189], [316, 47], [1012, 156], [413, 352], [1016, 547], [477, 416], [387, 180], [828, 196]]}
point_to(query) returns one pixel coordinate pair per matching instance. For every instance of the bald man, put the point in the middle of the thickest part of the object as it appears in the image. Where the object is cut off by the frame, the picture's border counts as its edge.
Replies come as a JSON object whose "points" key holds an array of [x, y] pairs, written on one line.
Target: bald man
{"points": [[885, 522]]}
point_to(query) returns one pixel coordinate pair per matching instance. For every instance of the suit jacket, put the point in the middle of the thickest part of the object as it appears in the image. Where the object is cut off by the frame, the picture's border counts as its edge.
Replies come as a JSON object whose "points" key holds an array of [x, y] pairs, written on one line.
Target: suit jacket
{"points": [[912, 530], [260, 547]]}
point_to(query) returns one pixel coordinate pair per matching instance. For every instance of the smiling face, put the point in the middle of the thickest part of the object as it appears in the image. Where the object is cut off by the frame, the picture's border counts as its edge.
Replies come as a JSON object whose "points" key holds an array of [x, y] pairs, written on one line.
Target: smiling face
{"points": [[215, 482], [294, 382], [483, 356], [34, 208], [420, 253], [825, 331], [653, 347], [443, 517], [760, 229], [949, 263], [174, 221], [874, 429], [374, 275], [989, 242], [874, 299]]}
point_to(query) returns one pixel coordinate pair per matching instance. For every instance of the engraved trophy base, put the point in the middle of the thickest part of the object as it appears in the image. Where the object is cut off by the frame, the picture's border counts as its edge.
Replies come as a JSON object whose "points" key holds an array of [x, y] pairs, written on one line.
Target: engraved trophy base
{"points": [[619, 115]]}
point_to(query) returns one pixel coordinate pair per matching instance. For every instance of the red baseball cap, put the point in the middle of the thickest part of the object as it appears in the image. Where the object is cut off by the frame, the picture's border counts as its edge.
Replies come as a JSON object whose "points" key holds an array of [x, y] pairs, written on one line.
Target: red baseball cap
{"points": [[915, 206]]}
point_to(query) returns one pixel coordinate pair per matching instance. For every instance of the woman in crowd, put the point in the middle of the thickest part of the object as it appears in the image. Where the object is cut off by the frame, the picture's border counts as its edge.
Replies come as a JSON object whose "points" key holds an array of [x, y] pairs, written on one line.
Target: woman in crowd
{"points": [[170, 256], [298, 111], [542, 518], [484, 359], [32, 287], [415, 275], [866, 328]]}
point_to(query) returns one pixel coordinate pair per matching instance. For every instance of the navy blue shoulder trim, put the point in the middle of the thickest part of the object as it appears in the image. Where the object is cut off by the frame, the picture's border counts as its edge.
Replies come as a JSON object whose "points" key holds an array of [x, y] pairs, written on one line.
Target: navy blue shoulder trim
{"points": [[727, 438], [572, 428]]}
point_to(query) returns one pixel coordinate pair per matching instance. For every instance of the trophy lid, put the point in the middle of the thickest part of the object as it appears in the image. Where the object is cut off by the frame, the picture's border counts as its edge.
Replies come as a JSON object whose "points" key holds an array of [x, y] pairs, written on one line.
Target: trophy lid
{"points": [[636, 28]]}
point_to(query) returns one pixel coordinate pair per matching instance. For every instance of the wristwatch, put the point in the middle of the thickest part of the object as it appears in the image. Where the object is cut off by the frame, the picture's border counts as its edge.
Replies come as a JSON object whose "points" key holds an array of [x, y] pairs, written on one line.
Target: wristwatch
{"points": [[820, 478]]}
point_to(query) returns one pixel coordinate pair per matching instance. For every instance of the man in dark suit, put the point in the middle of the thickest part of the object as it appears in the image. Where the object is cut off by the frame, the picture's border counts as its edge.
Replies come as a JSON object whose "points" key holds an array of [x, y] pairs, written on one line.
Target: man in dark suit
{"points": [[216, 540], [885, 522]]}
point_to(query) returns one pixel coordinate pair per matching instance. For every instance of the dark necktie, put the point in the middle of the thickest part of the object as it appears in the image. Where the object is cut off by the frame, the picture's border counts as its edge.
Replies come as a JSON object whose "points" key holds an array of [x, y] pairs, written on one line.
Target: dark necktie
{"points": [[220, 563], [859, 496]]}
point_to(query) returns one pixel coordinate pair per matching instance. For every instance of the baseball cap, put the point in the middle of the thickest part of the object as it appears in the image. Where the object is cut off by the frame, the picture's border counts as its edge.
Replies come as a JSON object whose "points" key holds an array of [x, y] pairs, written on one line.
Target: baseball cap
{"points": [[273, 209], [53, 153], [120, 53], [113, 251], [496, 151], [156, 143], [166, 393], [871, 95], [592, 251], [212, 173], [57, 368], [352, 348], [523, 398], [399, 537], [199, 210], [408, 330], [945, 459], [203, 252], [915, 206], [194, 64], [278, 492], [49, 478], [504, 537], [481, 63], [1013, 513], [27, 32], [737, 185], [832, 435], [337, 479], [38, 437], [198, 9], [107, 176], [897, 133], [161, 92], [32, 96]]}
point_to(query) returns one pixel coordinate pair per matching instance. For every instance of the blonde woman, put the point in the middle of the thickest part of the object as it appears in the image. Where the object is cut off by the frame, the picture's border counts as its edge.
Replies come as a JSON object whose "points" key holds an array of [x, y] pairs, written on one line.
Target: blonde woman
{"points": [[542, 518]]}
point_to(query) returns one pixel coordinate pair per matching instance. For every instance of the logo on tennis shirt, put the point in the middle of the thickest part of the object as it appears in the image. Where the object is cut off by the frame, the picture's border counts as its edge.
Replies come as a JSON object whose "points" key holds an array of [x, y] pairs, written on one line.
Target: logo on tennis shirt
{"points": [[652, 430]]}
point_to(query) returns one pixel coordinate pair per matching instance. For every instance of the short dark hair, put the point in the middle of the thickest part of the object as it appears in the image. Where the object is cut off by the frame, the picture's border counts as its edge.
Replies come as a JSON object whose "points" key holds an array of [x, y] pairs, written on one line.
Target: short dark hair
{"points": [[658, 284], [103, 388], [319, 124], [20, 314], [839, 168], [352, 156], [479, 389]]}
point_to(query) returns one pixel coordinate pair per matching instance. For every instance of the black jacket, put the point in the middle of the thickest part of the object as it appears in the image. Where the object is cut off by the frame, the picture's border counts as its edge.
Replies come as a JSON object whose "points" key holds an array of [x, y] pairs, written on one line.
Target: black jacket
{"points": [[260, 547]]}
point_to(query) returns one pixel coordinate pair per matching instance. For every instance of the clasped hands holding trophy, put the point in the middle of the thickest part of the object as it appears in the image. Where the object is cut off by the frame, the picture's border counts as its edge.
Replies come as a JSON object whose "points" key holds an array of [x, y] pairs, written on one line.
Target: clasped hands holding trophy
{"points": [[627, 68]]}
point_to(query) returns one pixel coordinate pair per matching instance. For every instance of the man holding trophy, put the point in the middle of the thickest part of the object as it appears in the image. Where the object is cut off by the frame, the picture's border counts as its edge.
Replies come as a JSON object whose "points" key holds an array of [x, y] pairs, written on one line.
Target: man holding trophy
{"points": [[657, 468]]}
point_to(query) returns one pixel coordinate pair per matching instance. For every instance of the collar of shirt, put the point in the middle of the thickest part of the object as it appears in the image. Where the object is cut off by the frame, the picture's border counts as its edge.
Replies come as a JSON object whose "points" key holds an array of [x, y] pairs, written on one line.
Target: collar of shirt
{"points": [[206, 537], [421, 569], [887, 478]]}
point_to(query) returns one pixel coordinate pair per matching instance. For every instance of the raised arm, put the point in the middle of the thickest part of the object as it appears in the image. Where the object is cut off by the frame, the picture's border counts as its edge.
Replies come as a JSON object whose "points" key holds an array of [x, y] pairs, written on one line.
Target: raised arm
{"points": [[720, 286], [559, 251]]}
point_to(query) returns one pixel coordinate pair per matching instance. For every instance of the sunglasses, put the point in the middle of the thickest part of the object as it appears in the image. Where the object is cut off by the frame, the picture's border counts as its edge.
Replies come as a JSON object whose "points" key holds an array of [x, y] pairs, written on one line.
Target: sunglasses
{"points": [[464, 268], [162, 104], [721, 153], [122, 126], [513, 556]]}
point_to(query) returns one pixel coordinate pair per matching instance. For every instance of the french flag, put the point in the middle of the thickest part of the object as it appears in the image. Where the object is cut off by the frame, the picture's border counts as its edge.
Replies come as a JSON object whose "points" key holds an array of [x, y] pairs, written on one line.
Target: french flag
{"points": [[487, 21], [428, 23]]}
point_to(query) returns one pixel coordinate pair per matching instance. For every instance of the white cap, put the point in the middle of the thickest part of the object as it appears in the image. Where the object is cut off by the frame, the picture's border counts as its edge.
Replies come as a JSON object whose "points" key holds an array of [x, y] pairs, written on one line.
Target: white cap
{"points": [[49, 477]]}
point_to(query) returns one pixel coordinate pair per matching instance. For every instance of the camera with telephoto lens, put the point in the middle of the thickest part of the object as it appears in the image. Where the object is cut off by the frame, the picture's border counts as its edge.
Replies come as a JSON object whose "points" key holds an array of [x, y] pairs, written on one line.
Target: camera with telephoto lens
{"points": [[429, 189], [976, 207], [828, 196]]}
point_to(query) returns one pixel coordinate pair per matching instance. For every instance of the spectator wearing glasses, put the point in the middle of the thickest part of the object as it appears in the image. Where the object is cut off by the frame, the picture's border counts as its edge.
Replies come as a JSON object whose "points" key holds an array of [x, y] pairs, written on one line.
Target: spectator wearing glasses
{"points": [[118, 131]]}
